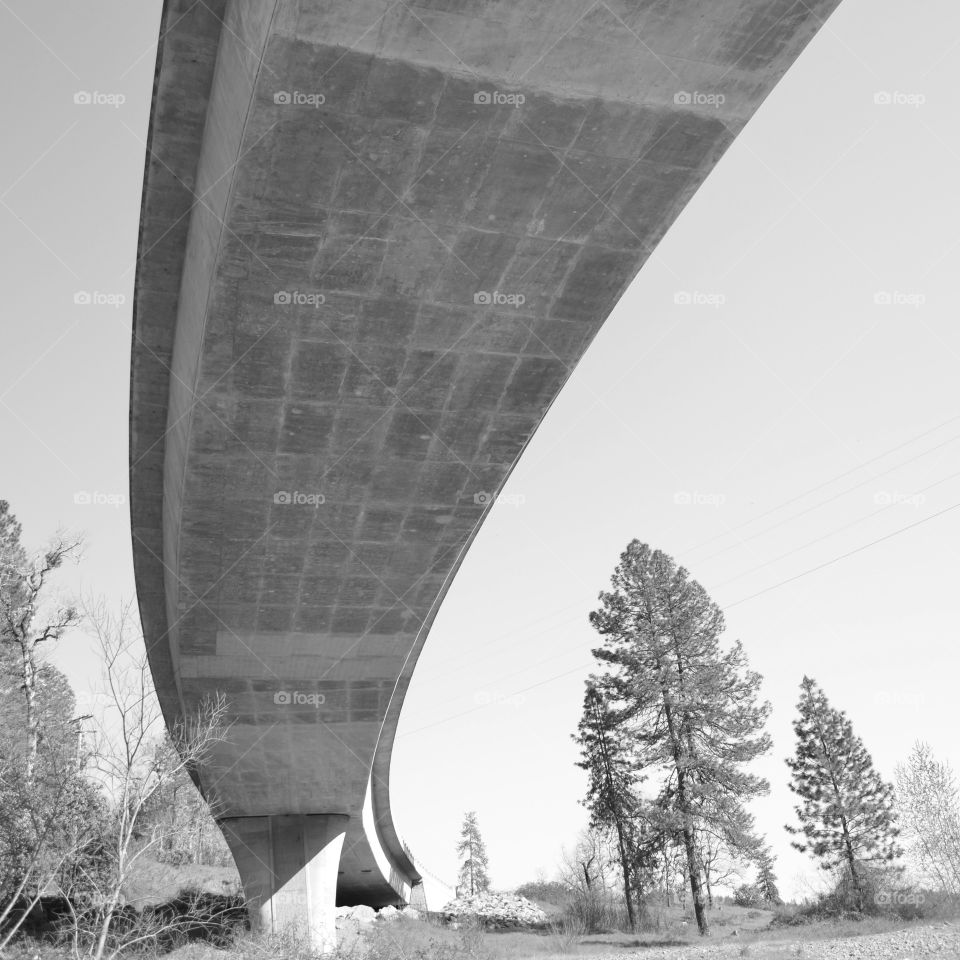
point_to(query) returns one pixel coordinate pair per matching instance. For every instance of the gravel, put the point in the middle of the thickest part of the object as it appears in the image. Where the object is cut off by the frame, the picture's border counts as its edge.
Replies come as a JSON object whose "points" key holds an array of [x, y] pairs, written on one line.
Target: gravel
{"points": [[939, 940]]}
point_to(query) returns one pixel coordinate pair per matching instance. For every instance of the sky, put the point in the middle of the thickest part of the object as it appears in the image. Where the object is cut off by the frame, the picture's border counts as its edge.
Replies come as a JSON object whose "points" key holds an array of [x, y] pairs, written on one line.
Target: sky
{"points": [[773, 402]]}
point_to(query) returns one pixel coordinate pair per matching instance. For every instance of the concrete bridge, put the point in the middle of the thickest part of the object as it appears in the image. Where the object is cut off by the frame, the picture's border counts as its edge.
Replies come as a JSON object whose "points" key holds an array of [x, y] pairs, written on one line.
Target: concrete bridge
{"points": [[376, 238]]}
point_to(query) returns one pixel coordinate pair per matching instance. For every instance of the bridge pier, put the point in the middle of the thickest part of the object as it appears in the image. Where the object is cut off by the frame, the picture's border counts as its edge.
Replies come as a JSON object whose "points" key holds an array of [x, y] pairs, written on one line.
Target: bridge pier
{"points": [[288, 866]]}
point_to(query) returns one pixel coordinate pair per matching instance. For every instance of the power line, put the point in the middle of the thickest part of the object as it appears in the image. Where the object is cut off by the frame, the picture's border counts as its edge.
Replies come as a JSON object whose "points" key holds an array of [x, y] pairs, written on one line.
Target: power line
{"points": [[821, 485], [458, 658], [483, 706], [836, 496], [844, 556], [835, 531], [729, 606]]}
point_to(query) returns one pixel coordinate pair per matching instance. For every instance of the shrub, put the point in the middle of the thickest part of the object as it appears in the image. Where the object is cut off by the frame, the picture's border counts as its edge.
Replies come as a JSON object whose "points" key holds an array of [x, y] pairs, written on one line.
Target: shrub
{"points": [[545, 891], [747, 895]]}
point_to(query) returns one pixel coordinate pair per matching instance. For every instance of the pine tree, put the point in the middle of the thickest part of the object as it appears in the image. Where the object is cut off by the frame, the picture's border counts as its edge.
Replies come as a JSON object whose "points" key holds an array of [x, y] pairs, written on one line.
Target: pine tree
{"points": [[688, 709], [473, 854], [767, 878], [611, 782], [847, 816]]}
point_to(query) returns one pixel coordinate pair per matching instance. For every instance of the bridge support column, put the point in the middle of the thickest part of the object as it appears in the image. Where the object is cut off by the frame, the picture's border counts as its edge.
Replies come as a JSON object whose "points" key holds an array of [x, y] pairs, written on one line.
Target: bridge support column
{"points": [[288, 867]]}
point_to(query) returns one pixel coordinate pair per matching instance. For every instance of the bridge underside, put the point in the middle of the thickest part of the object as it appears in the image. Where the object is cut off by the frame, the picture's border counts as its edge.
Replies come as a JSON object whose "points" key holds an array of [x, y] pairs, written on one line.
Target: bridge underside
{"points": [[376, 239]]}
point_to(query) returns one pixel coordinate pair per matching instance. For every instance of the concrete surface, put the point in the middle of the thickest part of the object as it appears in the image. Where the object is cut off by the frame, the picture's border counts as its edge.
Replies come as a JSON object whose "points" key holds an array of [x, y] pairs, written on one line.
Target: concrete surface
{"points": [[376, 239]]}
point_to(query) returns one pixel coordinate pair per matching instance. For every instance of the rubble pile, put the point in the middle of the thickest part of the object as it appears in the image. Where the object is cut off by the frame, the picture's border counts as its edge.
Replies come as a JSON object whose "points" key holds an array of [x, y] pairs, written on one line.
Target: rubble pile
{"points": [[494, 910], [363, 915]]}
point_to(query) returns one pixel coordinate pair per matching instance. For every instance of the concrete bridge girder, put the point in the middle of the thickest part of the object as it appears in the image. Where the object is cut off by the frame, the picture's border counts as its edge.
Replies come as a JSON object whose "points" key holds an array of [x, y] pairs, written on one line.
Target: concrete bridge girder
{"points": [[376, 239]]}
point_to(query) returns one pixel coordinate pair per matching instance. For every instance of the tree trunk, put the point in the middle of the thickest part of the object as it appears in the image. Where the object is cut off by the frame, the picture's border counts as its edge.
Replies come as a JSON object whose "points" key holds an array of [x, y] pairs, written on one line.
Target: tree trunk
{"points": [[695, 889], [30, 696], [688, 838], [621, 843], [852, 860], [847, 842], [110, 910], [625, 867]]}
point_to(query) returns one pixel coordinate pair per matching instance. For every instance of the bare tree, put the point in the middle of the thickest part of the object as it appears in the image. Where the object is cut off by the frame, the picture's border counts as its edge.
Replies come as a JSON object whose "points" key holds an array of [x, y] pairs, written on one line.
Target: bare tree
{"points": [[28, 621], [46, 808], [132, 760], [927, 798], [717, 863], [591, 865]]}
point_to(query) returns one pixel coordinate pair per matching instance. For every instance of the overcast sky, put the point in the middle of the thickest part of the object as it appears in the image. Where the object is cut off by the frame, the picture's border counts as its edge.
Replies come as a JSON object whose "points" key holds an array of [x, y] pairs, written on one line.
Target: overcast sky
{"points": [[801, 412]]}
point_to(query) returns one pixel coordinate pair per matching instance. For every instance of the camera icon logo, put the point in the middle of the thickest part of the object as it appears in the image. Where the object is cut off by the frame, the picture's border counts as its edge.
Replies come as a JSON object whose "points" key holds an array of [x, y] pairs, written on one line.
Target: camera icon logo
{"points": [[283, 497], [883, 298], [482, 498], [882, 98], [83, 98], [83, 298], [482, 96], [682, 298], [282, 298], [682, 99], [82, 498], [282, 698], [483, 298], [281, 97]]}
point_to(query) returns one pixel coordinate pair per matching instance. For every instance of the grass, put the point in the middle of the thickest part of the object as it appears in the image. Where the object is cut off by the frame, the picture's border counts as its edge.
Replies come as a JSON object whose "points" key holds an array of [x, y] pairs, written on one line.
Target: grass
{"points": [[417, 940], [748, 931]]}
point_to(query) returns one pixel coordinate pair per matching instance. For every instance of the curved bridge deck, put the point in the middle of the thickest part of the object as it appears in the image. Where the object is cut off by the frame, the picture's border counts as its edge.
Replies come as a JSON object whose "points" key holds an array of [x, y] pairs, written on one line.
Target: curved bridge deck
{"points": [[376, 239]]}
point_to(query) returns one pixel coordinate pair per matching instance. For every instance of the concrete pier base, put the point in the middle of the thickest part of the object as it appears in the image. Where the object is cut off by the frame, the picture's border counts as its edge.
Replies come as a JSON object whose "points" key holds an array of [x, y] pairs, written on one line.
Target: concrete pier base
{"points": [[288, 867]]}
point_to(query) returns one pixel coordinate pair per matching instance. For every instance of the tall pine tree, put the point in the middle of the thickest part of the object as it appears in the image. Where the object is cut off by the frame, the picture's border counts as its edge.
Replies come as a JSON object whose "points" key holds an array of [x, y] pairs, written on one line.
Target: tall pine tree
{"points": [[767, 877], [687, 709], [611, 782], [473, 863], [847, 816]]}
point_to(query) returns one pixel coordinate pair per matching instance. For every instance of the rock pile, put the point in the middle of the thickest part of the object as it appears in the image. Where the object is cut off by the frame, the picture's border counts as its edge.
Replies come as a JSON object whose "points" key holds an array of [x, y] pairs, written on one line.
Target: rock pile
{"points": [[494, 910], [392, 913], [363, 915], [360, 914]]}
